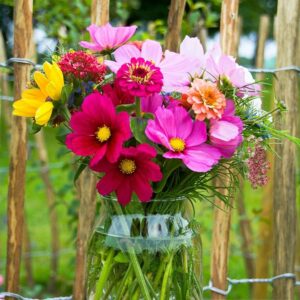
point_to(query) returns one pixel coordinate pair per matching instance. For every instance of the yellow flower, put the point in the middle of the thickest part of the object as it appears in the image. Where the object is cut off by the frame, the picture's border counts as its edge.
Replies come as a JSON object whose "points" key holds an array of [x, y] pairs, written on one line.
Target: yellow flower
{"points": [[37, 102]]}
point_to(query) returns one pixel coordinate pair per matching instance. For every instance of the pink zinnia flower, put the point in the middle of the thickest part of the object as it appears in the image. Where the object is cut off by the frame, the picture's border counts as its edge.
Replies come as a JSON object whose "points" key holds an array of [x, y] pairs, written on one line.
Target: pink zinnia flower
{"points": [[174, 67], [140, 78], [226, 133], [133, 172], [107, 38], [206, 99], [82, 66], [184, 139], [115, 93], [98, 131]]}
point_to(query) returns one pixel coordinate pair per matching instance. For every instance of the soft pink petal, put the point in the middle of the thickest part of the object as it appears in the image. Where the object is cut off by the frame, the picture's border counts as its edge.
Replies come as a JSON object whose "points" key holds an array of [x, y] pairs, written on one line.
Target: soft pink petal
{"points": [[91, 46], [198, 135], [92, 29], [183, 118], [125, 53], [229, 109], [223, 130], [174, 155], [151, 103], [154, 133], [152, 51]]}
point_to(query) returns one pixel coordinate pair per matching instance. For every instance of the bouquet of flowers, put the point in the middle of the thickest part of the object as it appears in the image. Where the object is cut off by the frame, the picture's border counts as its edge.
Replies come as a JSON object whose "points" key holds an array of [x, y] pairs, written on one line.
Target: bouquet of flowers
{"points": [[157, 127]]}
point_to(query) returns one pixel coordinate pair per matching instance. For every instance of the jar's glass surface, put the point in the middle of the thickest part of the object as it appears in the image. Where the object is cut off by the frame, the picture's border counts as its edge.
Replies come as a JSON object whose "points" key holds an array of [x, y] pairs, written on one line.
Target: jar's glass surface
{"points": [[145, 251]]}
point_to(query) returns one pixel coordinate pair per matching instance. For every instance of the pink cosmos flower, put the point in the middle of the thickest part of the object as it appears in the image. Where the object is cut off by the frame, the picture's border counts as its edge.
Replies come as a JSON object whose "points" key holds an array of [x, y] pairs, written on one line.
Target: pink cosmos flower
{"points": [[219, 65], [107, 37], [184, 139], [98, 131], [140, 78], [133, 172], [151, 103], [226, 133], [117, 96], [174, 67]]}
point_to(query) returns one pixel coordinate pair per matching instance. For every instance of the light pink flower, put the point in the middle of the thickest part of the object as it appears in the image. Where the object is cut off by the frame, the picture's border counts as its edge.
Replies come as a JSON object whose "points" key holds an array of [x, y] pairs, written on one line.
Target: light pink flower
{"points": [[174, 67], [226, 133], [107, 37], [219, 65], [1, 280], [184, 138]]}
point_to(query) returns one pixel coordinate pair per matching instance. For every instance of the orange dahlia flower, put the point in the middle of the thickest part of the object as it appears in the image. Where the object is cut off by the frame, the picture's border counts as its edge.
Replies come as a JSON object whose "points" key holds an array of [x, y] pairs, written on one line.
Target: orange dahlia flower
{"points": [[206, 100]]}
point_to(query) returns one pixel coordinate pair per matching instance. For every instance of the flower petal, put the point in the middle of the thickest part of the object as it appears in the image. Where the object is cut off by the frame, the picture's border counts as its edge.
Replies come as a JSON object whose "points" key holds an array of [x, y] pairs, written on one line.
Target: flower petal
{"points": [[152, 51], [43, 113]]}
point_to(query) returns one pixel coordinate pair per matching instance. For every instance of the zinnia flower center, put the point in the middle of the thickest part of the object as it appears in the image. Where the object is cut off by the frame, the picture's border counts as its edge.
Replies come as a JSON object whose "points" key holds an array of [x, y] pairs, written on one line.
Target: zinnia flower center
{"points": [[177, 144], [140, 73], [127, 166], [103, 133]]}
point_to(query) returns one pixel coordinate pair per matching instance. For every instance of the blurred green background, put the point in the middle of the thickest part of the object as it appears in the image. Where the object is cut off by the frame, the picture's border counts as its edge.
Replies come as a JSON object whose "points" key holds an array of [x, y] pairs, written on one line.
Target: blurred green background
{"points": [[63, 22]]}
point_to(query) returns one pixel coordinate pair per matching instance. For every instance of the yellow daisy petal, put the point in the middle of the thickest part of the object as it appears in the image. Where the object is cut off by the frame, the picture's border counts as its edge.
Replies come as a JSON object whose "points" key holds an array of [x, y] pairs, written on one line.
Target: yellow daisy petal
{"points": [[41, 81], [26, 108], [53, 92], [43, 113], [58, 75], [34, 94]]}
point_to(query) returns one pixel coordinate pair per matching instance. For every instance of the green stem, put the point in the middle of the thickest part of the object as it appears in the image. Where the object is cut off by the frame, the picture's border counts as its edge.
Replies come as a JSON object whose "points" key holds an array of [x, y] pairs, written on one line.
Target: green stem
{"points": [[166, 279], [138, 110], [134, 261], [107, 266]]}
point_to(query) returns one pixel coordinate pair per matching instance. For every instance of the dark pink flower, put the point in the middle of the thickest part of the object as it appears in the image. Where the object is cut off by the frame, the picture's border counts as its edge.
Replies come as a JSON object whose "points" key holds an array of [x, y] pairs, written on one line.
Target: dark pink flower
{"points": [[226, 133], [98, 131], [107, 37], [184, 138], [82, 66], [133, 172], [151, 103], [116, 94], [140, 78]]}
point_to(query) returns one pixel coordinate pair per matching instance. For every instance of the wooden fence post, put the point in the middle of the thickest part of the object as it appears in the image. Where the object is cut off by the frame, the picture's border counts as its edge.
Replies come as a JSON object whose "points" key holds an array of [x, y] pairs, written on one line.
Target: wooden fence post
{"points": [[264, 249], [18, 144], [175, 17], [87, 187], [222, 213], [288, 32]]}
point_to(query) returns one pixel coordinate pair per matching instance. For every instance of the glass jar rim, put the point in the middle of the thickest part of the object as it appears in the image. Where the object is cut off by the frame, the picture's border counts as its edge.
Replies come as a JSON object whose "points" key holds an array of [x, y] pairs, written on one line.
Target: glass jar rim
{"points": [[165, 199]]}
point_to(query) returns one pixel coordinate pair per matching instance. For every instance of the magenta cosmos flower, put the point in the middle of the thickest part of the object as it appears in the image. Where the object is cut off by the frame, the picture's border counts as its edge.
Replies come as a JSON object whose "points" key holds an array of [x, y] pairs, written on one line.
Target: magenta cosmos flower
{"points": [[133, 172], [107, 37], [98, 131], [226, 133], [184, 138], [175, 68]]}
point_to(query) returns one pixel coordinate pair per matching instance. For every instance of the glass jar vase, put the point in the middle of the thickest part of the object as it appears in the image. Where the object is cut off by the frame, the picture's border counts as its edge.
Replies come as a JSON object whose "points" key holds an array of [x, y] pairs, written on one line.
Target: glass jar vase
{"points": [[145, 251]]}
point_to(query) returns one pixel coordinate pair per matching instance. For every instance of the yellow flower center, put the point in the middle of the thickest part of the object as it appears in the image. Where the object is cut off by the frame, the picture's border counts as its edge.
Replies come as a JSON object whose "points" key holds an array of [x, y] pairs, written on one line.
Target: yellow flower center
{"points": [[103, 134], [177, 144], [127, 166]]}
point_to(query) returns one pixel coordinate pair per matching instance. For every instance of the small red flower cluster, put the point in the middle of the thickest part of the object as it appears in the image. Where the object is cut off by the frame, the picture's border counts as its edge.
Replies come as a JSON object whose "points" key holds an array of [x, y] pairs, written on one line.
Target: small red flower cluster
{"points": [[258, 165], [83, 66]]}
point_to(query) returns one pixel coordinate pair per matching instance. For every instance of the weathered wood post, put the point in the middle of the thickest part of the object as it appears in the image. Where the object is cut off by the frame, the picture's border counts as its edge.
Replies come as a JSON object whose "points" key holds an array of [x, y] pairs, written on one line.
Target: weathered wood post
{"points": [[87, 186], [222, 213], [288, 18], [264, 249], [18, 144], [175, 17]]}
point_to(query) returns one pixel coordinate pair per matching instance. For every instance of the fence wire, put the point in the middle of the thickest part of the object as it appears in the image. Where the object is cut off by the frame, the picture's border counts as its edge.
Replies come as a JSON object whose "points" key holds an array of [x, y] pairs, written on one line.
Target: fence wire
{"points": [[209, 287]]}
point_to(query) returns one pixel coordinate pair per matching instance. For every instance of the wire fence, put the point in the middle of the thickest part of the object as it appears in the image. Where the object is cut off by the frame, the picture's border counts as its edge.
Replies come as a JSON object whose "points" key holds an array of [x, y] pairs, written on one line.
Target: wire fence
{"points": [[209, 287]]}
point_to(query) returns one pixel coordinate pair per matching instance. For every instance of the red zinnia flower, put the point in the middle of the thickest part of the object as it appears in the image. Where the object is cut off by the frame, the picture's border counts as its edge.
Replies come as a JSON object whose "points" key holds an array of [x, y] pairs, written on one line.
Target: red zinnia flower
{"points": [[140, 77], [98, 131], [82, 66], [131, 173]]}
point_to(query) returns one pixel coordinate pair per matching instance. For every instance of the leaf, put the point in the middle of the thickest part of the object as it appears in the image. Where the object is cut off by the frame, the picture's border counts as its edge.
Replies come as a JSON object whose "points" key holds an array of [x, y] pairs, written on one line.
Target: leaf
{"points": [[81, 167], [62, 138], [66, 92], [138, 127], [121, 258], [169, 167], [35, 128], [125, 107]]}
